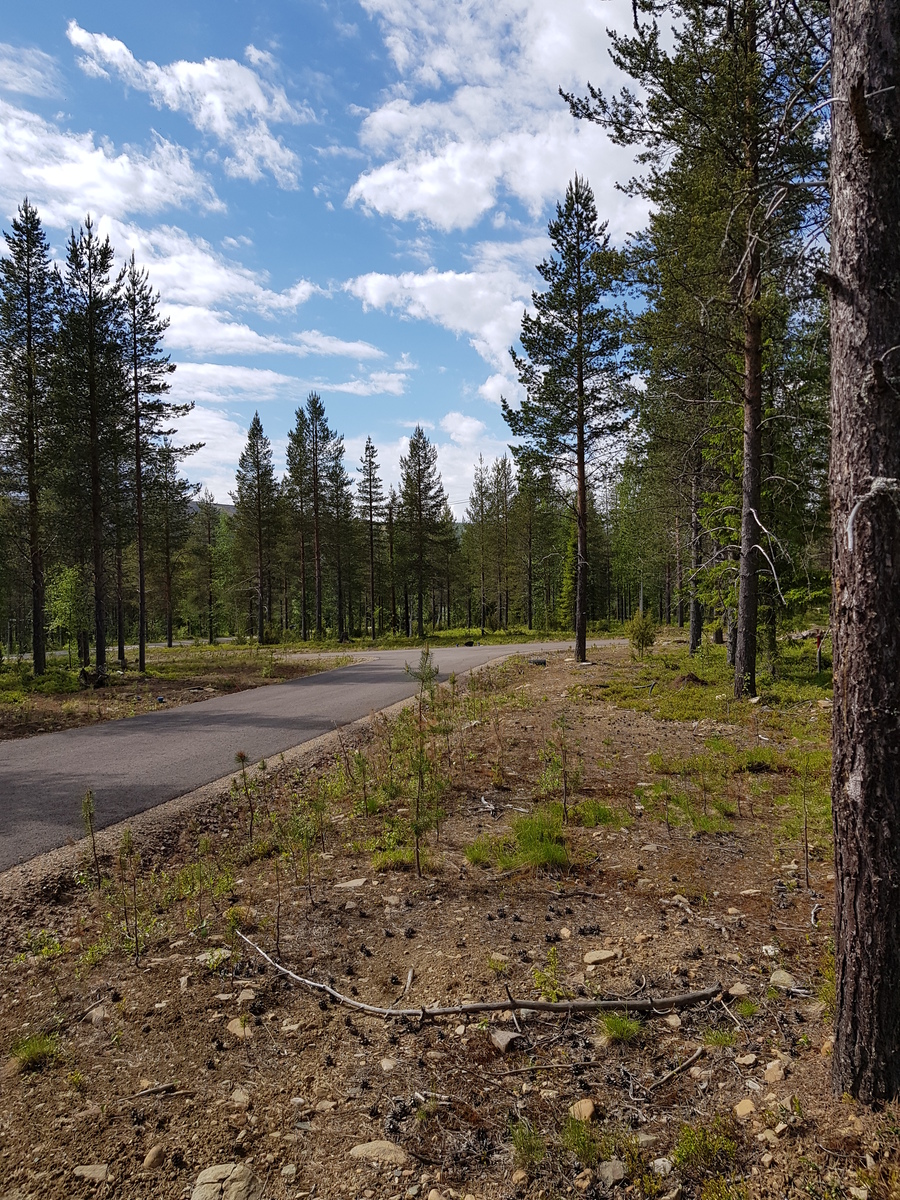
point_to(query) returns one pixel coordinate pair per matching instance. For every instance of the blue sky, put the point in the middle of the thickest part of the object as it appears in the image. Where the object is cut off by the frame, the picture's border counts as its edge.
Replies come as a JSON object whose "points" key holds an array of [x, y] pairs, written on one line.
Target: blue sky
{"points": [[347, 196]]}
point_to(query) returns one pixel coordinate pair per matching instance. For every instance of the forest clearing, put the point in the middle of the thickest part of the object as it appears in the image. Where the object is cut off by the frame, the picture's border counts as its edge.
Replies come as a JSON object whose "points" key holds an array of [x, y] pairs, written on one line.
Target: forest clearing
{"points": [[579, 834]]}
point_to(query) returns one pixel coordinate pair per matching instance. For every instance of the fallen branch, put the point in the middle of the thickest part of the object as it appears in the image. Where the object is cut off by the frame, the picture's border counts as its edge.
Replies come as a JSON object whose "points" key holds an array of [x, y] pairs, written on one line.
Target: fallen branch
{"points": [[652, 1006], [671, 1075]]}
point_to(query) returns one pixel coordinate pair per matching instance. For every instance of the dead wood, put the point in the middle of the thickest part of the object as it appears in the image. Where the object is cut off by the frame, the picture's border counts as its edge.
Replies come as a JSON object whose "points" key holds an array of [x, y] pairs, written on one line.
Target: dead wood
{"points": [[658, 1006]]}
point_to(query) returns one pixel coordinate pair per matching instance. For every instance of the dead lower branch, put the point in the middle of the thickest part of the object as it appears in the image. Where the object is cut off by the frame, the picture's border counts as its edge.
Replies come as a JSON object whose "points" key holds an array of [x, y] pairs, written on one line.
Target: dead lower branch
{"points": [[650, 1005]]}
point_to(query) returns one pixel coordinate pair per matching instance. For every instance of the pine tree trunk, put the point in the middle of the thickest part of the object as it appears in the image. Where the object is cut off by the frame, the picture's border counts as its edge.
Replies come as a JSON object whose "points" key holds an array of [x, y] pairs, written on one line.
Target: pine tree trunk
{"points": [[865, 469], [751, 476], [581, 546], [696, 624]]}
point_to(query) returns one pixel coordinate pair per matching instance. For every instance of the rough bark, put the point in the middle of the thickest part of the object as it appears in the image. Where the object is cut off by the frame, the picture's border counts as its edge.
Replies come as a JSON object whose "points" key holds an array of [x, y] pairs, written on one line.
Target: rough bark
{"points": [[865, 467], [696, 623]]}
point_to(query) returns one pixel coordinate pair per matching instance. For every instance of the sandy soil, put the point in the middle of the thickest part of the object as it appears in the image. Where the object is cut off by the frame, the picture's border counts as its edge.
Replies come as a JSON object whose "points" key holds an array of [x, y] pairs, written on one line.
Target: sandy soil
{"points": [[200, 1053]]}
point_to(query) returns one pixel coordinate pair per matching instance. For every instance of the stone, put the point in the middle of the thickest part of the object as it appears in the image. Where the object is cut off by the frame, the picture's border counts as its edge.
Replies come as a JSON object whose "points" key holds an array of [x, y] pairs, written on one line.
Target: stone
{"points": [[646, 1140], [227, 1181], [289, 1172], [583, 1182], [594, 957], [240, 1098], [349, 884], [774, 1072], [610, 1173], [645, 885], [738, 989], [246, 995], [154, 1158], [767, 1159], [388, 1065], [383, 1152], [434, 1194], [672, 1020], [519, 1177], [746, 1060], [675, 1194], [782, 979], [661, 1166], [768, 1135], [827, 1046], [94, 1172], [243, 1030], [565, 933], [641, 938], [324, 1106], [859, 1193], [744, 1109], [504, 1038], [582, 1110]]}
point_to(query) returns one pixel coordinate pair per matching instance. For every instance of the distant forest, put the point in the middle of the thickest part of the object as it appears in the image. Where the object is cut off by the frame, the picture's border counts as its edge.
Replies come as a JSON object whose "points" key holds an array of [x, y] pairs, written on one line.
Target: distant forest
{"points": [[105, 543]]}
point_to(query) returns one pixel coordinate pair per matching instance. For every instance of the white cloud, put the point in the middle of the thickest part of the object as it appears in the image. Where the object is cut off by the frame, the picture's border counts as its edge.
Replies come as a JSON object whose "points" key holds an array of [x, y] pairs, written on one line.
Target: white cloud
{"points": [[466, 431], [476, 109], [27, 71], [67, 174], [223, 439], [377, 383], [220, 96], [220, 383]]}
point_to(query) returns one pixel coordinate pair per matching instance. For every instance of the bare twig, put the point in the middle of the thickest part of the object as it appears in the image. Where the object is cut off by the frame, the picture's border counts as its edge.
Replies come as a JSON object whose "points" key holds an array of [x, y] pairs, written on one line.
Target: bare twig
{"points": [[662, 1004], [687, 1062]]}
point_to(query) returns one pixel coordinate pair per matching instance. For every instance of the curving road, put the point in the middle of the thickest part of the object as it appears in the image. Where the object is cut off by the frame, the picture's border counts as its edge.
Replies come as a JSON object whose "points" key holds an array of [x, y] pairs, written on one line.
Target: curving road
{"points": [[133, 764]]}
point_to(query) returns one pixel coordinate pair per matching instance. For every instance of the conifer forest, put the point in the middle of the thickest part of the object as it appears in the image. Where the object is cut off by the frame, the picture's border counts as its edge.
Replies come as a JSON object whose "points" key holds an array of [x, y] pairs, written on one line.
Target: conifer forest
{"points": [[704, 456]]}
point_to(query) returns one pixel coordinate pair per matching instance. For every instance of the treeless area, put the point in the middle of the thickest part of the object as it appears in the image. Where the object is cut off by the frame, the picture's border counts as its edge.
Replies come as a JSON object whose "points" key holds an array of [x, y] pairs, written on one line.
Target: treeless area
{"points": [[580, 836], [61, 700]]}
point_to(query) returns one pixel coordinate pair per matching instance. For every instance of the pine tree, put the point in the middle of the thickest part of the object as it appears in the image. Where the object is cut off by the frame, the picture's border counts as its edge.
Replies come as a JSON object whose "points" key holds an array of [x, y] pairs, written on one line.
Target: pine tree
{"points": [[92, 396], [573, 400], [865, 507], [321, 442], [370, 498], [422, 501], [169, 497], [256, 510], [149, 369], [28, 307]]}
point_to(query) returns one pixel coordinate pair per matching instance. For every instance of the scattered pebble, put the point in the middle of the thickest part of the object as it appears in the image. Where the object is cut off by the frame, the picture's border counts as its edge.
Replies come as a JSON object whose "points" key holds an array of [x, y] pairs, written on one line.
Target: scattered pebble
{"points": [[95, 1172], [155, 1157], [582, 1110], [384, 1152]]}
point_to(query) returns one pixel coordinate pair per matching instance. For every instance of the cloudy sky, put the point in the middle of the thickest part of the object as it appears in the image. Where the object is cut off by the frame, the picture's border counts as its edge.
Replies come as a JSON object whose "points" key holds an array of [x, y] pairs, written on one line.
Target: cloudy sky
{"points": [[347, 196]]}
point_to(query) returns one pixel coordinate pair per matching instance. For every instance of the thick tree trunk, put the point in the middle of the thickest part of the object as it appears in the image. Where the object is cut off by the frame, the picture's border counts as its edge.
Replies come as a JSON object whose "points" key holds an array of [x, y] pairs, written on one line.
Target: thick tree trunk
{"points": [[581, 544], [865, 508]]}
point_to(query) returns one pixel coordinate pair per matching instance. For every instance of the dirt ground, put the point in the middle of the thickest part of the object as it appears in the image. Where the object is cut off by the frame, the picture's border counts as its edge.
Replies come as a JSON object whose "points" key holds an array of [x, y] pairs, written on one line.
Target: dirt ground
{"points": [[174, 677], [201, 1053]]}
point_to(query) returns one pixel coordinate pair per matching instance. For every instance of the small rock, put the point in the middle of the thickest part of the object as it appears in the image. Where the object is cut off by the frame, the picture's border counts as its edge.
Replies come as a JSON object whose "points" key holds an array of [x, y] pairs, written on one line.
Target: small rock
{"points": [[768, 1135], [767, 1159], [746, 1060], [504, 1038], [645, 885], [348, 884], [98, 1016], [242, 1030], [388, 1065], [155, 1157], [326, 1106], [646, 1140], [519, 1177], [227, 1181], [675, 1194], [611, 1172], [384, 1152], [661, 1166], [289, 1172], [651, 846], [827, 1046], [240, 1098], [738, 989], [246, 995], [859, 1193], [95, 1172], [583, 1182], [782, 979], [774, 1072], [744, 1108], [594, 957], [734, 912], [565, 933], [582, 1110], [672, 1020], [641, 938], [434, 1194]]}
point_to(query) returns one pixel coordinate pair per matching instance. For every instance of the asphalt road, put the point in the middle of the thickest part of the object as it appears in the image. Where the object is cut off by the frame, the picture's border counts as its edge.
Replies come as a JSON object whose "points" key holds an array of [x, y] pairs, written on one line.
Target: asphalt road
{"points": [[133, 764]]}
